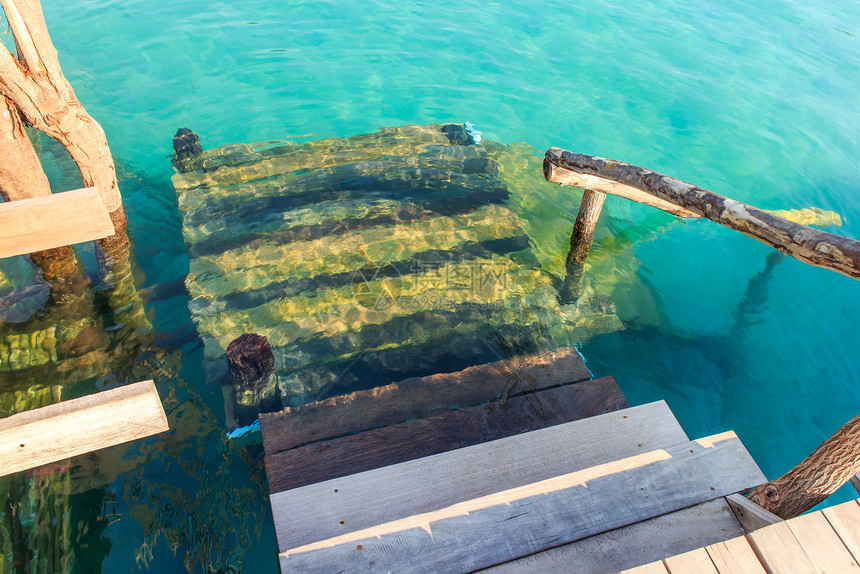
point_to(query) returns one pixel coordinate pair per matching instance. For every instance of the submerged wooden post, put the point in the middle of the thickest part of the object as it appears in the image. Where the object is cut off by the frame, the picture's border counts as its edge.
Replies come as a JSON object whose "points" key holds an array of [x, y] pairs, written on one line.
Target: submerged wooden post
{"points": [[830, 466], [581, 239], [642, 185]]}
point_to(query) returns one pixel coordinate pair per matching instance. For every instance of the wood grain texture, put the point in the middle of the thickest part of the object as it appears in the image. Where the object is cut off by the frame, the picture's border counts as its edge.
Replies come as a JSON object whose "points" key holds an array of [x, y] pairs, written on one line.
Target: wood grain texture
{"points": [[424, 437], [539, 515], [419, 397], [640, 543], [751, 515], [695, 561], [312, 513], [821, 544], [66, 218], [652, 568], [845, 520], [819, 475], [735, 556], [809, 245], [779, 551], [78, 426]]}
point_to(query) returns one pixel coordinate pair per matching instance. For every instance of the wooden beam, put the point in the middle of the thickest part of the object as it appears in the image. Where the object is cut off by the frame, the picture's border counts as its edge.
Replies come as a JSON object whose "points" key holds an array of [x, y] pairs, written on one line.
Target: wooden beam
{"points": [[735, 555], [79, 426], [809, 245], [57, 220], [508, 524], [419, 397], [428, 436], [751, 515]]}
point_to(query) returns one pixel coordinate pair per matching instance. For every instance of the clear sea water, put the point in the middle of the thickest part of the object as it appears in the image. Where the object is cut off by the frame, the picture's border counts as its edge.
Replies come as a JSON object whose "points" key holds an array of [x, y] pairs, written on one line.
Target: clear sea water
{"points": [[756, 101]]}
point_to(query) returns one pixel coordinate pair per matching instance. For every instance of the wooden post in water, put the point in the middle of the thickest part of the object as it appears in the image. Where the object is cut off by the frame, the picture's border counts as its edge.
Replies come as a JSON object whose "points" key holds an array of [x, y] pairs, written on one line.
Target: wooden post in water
{"points": [[581, 239], [830, 466]]}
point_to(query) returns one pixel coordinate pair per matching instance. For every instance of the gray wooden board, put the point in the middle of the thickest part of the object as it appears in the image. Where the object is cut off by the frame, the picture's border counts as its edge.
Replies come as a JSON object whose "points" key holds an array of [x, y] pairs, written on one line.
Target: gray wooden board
{"points": [[504, 525], [312, 513], [654, 539], [77, 426], [419, 397], [424, 437]]}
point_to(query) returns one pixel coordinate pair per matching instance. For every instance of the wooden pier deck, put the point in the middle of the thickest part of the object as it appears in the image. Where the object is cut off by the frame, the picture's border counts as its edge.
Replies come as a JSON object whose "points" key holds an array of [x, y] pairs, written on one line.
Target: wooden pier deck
{"points": [[598, 487], [823, 541]]}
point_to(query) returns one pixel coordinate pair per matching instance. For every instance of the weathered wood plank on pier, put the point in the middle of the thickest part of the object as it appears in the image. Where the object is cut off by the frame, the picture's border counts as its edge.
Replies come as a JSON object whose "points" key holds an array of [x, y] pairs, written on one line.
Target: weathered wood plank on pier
{"points": [[57, 220], [507, 524], [77, 426], [627, 547], [822, 541], [419, 438], [412, 487], [419, 397]]}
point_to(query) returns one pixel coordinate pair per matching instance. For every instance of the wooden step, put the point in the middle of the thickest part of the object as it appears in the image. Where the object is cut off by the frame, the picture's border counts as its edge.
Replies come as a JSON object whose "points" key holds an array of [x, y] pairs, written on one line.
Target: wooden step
{"points": [[508, 521], [57, 220], [701, 525], [313, 513], [419, 397], [418, 438]]}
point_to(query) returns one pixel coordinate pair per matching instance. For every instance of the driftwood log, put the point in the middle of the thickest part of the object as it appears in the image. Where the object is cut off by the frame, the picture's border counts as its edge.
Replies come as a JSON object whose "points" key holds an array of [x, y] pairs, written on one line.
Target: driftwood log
{"points": [[809, 245], [820, 474]]}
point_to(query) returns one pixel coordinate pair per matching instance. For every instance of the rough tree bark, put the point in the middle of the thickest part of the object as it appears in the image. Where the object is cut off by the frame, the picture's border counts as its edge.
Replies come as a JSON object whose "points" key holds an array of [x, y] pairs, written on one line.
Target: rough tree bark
{"points": [[34, 83], [581, 239], [820, 474], [21, 176], [645, 186]]}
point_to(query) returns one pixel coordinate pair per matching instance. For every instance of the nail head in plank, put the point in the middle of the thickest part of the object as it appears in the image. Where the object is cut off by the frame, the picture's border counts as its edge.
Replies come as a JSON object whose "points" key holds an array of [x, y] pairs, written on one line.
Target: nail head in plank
{"points": [[517, 522], [419, 397], [735, 556], [56, 220], [845, 520], [643, 542], [78, 426], [412, 487], [418, 438], [821, 543], [779, 551]]}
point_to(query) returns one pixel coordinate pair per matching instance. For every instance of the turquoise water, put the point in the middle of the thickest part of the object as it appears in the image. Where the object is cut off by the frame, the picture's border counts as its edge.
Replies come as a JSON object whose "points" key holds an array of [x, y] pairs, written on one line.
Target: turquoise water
{"points": [[757, 102]]}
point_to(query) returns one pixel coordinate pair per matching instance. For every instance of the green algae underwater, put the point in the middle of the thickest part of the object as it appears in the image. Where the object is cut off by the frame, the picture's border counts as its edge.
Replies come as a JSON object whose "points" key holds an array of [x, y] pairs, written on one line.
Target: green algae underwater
{"points": [[753, 102]]}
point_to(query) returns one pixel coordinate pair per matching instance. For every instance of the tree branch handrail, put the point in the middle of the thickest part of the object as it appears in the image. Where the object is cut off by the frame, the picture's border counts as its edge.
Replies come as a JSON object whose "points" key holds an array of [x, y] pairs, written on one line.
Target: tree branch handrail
{"points": [[682, 199]]}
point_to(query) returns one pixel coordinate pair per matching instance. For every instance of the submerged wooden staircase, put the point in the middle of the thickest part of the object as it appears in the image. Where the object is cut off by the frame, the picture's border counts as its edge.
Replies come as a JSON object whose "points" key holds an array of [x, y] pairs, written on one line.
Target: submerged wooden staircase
{"points": [[516, 466]]}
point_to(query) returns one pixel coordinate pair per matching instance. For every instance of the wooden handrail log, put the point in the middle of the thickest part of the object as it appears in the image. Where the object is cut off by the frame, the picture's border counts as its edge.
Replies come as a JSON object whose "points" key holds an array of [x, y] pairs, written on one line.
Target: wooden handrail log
{"points": [[831, 465], [642, 185]]}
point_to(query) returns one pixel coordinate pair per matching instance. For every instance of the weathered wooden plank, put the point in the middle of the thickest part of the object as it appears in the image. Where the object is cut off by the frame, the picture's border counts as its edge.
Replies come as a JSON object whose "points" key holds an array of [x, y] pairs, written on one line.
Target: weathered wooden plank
{"points": [[845, 520], [504, 525], [809, 245], [751, 515], [424, 437], [735, 556], [779, 551], [413, 487], [821, 544], [695, 561], [639, 543], [78, 426], [419, 397], [652, 568], [38, 223]]}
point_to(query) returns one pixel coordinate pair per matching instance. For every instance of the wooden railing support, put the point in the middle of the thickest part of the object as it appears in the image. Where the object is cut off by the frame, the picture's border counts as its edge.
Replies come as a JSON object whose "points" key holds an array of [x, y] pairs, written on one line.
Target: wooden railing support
{"points": [[809, 245], [581, 239], [830, 466]]}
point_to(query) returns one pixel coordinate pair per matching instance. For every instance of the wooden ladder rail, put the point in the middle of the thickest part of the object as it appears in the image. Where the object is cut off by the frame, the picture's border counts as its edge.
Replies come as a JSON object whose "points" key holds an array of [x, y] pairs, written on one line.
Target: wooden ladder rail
{"points": [[837, 460], [598, 175]]}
